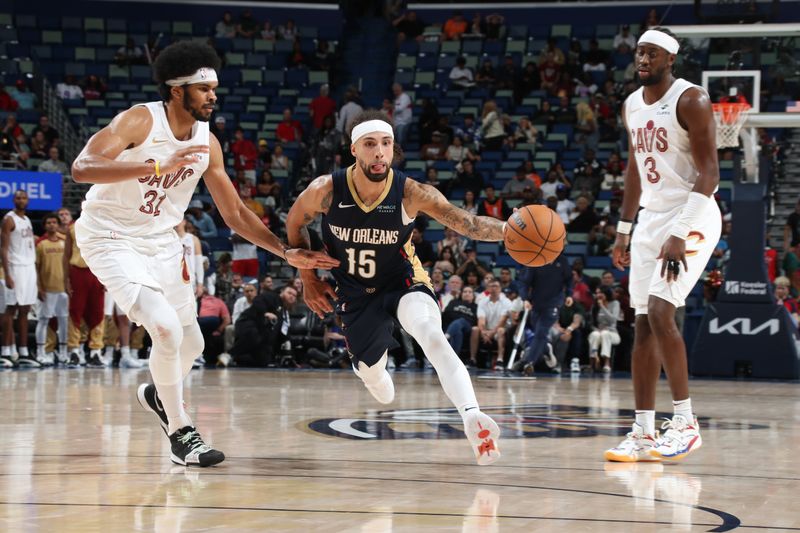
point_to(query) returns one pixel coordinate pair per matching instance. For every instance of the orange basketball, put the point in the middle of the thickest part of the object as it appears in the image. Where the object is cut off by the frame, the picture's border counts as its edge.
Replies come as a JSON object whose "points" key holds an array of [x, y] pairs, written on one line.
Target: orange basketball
{"points": [[534, 235]]}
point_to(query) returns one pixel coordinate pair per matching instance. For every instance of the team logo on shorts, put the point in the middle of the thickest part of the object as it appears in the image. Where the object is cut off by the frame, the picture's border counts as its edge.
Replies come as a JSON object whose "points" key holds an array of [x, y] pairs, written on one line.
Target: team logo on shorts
{"points": [[697, 238], [516, 422], [185, 271]]}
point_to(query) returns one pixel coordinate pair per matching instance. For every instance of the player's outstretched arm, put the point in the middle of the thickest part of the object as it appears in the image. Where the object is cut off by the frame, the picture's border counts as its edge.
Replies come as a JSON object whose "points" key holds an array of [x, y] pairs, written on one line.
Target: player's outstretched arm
{"points": [[245, 223], [423, 198], [312, 202], [96, 162]]}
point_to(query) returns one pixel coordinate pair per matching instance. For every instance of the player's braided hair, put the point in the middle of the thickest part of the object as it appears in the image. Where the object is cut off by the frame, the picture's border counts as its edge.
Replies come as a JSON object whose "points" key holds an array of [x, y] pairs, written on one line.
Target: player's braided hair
{"points": [[376, 114], [179, 59]]}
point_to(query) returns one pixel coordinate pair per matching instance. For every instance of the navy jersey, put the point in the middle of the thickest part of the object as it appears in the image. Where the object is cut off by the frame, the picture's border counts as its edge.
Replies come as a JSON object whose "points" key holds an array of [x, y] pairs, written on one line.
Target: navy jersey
{"points": [[372, 243]]}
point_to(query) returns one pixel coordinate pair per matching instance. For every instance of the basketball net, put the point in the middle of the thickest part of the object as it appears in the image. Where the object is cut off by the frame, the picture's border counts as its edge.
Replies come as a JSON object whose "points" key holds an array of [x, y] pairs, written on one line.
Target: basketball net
{"points": [[730, 118]]}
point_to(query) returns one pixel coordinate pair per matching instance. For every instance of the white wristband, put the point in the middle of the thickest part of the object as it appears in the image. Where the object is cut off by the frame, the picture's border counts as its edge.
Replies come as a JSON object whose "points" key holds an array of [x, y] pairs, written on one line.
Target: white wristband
{"points": [[691, 216], [624, 227]]}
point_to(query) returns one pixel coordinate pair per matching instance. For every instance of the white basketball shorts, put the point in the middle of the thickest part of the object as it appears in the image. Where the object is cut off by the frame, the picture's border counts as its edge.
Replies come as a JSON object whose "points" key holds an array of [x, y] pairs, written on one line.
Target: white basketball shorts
{"points": [[2, 296], [111, 306], [55, 304], [652, 231], [25, 291], [126, 264]]}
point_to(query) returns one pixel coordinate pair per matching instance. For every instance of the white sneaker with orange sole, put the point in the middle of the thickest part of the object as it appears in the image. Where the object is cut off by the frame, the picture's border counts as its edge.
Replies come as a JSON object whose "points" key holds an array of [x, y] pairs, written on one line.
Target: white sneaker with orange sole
{"points": [[482, 433]]}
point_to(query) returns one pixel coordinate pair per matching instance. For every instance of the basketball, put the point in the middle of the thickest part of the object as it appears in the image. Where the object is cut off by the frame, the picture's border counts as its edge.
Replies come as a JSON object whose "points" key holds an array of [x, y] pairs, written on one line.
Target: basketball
{"points": [[534, 235]]}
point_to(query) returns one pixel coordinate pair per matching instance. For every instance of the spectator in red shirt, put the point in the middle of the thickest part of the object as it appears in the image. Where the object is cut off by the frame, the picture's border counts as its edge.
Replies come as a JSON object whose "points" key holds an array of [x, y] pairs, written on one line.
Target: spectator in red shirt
{"points": [[289, 130], [245, 154], [455, 26], [321, 107], [213, 317], [7, 103]]}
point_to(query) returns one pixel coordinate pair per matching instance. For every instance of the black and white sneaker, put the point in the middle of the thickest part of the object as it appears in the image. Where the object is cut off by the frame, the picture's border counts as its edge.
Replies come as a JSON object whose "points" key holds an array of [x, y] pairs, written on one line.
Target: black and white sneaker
{"points": [[28, 361], [148, 399], [74, 360], [188, 449], [95, 360], [6, 362]]}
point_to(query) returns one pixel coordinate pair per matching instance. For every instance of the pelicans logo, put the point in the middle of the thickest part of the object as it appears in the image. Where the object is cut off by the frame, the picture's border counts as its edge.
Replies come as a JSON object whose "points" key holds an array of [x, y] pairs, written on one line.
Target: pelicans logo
{"points": [[515, 421]]}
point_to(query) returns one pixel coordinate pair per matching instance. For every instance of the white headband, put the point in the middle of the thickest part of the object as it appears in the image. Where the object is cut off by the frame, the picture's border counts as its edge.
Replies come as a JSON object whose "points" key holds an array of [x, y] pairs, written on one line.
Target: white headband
{"points": [[371, 126], [659, 38], [203, 75]]}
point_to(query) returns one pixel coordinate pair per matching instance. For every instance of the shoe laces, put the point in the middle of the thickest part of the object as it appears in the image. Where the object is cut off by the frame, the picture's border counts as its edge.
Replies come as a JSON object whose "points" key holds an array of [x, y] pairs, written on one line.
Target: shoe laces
{"points": [[672, 427], [192, 440]]}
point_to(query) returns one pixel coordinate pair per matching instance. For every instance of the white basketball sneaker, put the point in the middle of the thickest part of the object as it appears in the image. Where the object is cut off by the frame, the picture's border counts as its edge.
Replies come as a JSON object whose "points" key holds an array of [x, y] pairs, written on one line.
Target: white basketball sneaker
{"points": [[635, 447], [680, 438], [482, 433]]}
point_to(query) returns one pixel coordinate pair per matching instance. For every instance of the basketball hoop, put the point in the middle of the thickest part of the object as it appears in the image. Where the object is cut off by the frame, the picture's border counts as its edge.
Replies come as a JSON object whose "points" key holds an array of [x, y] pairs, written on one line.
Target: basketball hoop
{"points": [[730, 118]]}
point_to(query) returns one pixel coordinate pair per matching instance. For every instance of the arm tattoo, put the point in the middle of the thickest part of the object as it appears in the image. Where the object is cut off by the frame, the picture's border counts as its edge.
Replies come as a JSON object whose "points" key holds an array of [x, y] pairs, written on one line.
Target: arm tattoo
{"points": [[463, 222], [327, 200]]}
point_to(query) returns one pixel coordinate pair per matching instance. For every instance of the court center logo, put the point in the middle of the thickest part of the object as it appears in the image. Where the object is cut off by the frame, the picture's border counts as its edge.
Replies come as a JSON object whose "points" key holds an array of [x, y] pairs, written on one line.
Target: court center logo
{"points": [[518, 421]]}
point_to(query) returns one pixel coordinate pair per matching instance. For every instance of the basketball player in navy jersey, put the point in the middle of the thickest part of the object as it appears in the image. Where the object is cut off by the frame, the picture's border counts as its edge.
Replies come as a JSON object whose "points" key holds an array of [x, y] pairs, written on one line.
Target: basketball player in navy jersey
{"points": [[144, 168], [672, 174], [368, 214]]}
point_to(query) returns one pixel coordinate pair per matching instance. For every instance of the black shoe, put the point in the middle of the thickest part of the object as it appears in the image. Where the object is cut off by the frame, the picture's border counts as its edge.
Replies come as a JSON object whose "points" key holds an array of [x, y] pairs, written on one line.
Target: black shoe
{"points": [[188, 449], [527, 370], [28, 361], [148, 399], [95, 361], [74, 360]]}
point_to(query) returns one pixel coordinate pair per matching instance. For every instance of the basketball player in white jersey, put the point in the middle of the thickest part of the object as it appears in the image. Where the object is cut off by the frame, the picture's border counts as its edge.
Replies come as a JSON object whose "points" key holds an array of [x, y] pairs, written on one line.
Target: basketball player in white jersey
{"points": [[145, 166], [19, 264], [672, 174]]}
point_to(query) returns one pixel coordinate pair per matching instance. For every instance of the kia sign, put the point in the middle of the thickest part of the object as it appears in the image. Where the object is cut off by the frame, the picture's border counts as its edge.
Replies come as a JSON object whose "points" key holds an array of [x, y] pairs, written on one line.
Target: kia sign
{"points": [[743, 326], [43, 188]]}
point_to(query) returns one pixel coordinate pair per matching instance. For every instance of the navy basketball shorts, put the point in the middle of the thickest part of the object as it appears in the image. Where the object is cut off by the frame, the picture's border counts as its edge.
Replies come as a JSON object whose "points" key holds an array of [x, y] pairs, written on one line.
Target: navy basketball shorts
{"points": [[369, 320]]}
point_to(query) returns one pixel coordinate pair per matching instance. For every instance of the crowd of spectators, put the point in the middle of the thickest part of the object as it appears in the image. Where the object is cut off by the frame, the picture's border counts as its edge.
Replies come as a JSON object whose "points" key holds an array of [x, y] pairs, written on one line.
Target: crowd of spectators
{"points": [[576, 87]]}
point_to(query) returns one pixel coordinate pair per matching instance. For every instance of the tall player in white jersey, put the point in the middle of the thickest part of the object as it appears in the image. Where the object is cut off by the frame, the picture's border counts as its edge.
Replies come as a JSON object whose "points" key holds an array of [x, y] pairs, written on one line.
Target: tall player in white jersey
{"points": [[19, 264], [672, 174], [145, 166]]}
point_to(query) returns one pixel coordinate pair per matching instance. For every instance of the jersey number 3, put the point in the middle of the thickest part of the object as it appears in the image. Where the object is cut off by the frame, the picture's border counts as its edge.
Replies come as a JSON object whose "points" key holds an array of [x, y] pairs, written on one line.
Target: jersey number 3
{"points": [[152, 203], [652, 174], [365, 264]]}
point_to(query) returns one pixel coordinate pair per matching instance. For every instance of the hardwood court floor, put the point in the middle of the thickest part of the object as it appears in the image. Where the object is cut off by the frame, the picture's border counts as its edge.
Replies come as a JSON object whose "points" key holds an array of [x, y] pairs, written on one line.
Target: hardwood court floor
{"points": [[311, 451]]}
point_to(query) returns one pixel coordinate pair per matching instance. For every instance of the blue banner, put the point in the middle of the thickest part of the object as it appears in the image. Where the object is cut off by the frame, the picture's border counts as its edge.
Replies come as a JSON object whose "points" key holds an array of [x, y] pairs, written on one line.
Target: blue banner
{"points": [[43, 188]]}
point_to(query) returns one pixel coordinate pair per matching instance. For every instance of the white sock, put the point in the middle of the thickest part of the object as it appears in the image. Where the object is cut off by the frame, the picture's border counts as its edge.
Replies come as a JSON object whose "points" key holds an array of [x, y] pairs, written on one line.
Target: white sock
{"points": [[684, 408], [125, 352], [647, 419], [23, 351], [171, 397], [39, 350], [5, 351]]}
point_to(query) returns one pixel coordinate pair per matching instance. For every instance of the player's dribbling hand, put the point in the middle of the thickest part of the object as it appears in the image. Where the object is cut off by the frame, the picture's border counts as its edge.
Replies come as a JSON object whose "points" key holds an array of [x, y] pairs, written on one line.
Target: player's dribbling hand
{"points": [[674, 249], [317, 294], [620, 256], [183, 157], [302, 258]]}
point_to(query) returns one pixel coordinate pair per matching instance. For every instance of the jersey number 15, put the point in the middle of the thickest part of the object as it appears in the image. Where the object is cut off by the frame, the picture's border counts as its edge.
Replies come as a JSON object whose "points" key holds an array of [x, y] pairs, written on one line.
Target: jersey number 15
{"points": [[365, 265]]}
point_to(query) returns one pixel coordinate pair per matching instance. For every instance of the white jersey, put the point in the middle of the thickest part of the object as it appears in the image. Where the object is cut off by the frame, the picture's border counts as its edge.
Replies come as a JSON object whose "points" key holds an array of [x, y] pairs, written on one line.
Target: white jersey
{"points": [[21, 248], [661, 146], [187, 241], [151, 205]]}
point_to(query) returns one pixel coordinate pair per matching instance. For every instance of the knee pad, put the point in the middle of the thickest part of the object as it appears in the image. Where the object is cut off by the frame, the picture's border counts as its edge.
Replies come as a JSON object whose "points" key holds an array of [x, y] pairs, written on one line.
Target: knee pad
{"points": [[160, 320]]}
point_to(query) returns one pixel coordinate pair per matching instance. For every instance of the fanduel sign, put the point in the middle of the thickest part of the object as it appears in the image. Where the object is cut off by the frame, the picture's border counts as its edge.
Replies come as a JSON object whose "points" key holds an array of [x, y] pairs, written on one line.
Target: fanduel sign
{"points": [[43, 188], [749, 288], [743, 326]]}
